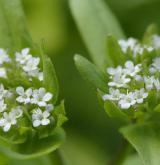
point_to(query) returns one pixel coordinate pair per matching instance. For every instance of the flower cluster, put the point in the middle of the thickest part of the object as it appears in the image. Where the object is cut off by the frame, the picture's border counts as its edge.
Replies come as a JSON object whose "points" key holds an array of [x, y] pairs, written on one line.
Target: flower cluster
{"points": [[130, 85], [22, 102]]}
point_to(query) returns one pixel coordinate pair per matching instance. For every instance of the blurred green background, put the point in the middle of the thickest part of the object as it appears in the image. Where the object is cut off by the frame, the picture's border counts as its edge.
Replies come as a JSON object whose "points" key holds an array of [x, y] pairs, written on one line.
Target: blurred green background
{"points": [[92, 138]]}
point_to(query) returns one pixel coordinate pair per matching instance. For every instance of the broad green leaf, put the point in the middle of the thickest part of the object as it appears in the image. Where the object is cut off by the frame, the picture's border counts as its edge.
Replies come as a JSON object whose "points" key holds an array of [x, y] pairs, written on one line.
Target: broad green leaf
{"points": [[114, 112], [114, 51], [145, 139], [91, 73], [13, 31], [49, 77], [95, 21], [37, 148]]}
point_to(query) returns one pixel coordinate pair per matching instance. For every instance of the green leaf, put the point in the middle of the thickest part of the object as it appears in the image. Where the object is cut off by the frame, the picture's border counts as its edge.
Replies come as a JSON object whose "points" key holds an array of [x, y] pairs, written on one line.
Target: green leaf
{"points": [[114, 112], [37, 148], [49, 77], [13, 31], [114, 51], [145, 139], [60, 114], [91, 73], [95, 21]]}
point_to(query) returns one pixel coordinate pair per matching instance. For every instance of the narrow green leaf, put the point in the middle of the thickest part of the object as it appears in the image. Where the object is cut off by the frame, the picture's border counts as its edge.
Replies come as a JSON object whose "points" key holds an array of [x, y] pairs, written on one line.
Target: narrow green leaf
{"points": [[145, 139], [49, 77], [114, 51], [13, 31], [95, 21], [91, 73], [39, 147], [114, 112]]}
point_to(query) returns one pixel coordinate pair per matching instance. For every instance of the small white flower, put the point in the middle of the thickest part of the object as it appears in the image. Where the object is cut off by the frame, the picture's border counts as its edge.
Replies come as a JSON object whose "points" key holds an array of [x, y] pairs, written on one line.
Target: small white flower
{"points": [[3, 106], [125, 44], [3, 73], [32, 64], [115, 71], [23, 56], [4, 56], [119, 80], [127, 100], [114, 95], [17, 111], [3, 92], [140, 95], [132, 69], [157, 84], [156, 41], [24, 96], [49, 107], [149, 82], [155, 66], [40, 118], [40, 97], [7, 121]]}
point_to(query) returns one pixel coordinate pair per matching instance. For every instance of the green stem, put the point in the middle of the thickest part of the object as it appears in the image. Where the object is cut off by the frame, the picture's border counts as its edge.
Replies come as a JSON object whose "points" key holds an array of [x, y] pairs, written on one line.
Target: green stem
{"points": [[121, 154]]}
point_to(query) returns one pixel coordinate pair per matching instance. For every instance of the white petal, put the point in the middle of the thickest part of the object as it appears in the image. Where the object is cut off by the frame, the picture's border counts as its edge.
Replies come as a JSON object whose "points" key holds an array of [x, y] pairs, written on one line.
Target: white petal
{"points": [[47, 96], [20, 90], [46, 114], [2, 122], [45, 121], [42, 103], [36, 123], [25, 51], [7, 127]]}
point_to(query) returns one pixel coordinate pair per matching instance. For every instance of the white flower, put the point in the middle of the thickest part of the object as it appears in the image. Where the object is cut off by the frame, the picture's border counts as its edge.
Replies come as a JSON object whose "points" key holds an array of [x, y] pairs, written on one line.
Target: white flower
{"points": [[7, 121], [23, 56], [3, 73], [140, 95], [149, 82], [3, 92], [49, 107], [17, 111], [114, 71], [24, 96], [114, 95], [156, 41], [119, 80], [40, 97], [32, 64], [3, 106], [157, 84], [127, 100], [3, 56], [40, 118], [125, 44], [155, 66], [132, 69]]}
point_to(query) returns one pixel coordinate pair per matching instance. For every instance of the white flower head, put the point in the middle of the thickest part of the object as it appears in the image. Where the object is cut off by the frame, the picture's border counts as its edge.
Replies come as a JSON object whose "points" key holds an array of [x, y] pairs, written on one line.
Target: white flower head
{"points": [[40, 97], [3, 72], [23, 56], [125, 44], [4, 56], [140, 95], [149, 82], [40, 118], [132, 69], [24, 96], [127, 100], [3, 106], [17, 111], [114, 95], [156, 41], [7, 121]]}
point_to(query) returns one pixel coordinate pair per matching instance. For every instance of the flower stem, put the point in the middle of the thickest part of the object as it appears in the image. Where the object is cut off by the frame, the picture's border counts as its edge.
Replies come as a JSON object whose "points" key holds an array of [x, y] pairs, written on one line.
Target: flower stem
{"points": [[121, 154]]}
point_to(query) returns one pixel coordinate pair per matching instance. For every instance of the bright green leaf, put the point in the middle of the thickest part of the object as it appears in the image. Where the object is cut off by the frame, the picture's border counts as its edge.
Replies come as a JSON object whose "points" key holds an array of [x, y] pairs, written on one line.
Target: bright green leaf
{"points": [[145, 139], [114, 112], [114, 51], [49, 77], [37, 148], [91, 73], [95, 21], [13, 31]]}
